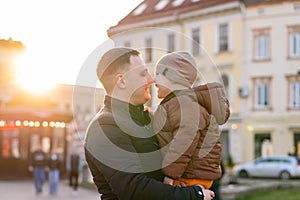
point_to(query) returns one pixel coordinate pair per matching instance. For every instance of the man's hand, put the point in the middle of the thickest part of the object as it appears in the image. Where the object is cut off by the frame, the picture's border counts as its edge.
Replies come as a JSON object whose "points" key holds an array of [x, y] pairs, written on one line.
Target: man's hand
{"points": [[168, 180], [208, 194]]}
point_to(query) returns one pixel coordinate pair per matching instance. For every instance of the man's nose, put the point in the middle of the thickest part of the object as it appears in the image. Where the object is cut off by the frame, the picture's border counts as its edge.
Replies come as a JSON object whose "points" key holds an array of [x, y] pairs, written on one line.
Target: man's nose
{"points": [[150, 79]]}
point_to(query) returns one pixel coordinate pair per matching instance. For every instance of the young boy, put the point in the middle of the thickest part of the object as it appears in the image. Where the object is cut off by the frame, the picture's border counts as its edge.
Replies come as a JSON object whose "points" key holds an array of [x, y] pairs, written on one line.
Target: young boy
{"points": [[186, 122]]}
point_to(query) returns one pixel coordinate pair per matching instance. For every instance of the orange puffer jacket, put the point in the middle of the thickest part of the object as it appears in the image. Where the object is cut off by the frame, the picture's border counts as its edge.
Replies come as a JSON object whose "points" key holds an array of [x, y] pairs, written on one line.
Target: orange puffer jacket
{"points": [[186, 124]]}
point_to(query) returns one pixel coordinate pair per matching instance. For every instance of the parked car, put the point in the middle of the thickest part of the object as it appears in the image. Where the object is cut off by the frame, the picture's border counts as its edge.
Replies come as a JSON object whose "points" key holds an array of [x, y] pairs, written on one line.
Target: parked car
{"points": [[283, 167]]}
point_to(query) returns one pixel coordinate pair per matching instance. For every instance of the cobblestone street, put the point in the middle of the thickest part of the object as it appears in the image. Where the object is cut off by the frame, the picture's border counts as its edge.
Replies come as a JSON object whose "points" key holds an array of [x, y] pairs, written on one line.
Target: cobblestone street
{"points": [[14, 190]]}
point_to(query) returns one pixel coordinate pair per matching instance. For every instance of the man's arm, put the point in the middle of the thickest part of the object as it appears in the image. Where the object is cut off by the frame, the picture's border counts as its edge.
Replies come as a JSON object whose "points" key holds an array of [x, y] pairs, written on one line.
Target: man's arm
{"points": [[136, 186], [116, 165]]}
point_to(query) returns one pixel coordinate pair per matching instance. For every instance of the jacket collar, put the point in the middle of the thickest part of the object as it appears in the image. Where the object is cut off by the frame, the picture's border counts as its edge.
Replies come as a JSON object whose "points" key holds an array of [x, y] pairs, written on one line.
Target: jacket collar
{"points": [[120, 107]]}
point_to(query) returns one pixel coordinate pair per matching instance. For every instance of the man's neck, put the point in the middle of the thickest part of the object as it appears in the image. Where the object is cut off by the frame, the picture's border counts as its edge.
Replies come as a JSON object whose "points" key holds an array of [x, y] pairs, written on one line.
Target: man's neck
{"points": [[125, 100]]}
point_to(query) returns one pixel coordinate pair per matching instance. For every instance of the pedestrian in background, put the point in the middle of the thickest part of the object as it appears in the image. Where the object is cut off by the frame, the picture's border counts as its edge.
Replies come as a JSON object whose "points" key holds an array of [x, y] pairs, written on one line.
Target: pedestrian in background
{"points": [[38, 164], [54, 165], [74, 166]]}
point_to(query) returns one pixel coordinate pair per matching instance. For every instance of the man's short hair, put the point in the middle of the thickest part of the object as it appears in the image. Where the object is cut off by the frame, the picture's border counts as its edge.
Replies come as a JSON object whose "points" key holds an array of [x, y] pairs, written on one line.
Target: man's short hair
{"points": [[112, 62]]}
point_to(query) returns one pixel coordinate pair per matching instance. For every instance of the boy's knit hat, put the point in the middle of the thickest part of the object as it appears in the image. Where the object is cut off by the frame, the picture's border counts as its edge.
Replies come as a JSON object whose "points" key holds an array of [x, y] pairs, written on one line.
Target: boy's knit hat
{"points": [[179, 67]]}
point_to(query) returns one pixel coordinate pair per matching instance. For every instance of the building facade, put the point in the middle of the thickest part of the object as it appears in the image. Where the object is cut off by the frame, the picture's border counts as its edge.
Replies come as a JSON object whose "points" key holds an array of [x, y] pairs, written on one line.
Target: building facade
{"points": [[271, 78]]}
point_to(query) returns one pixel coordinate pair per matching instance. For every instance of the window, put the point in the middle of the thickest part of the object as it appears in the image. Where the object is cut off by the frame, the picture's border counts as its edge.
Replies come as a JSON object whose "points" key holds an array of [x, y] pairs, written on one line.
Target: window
{"points": [[161, 4], [225, 81], [295, 95], [294, 91], [261, 44], [171, 43], [297, 6], [223, 37], [10, 144], [177, 2], [196, 41], [261, 11], [148, 50], [294, 41], [140, 9], [262, 93]]}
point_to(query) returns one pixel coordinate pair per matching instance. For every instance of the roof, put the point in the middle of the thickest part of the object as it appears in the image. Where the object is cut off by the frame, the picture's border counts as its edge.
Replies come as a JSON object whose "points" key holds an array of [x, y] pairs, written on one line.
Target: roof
{"points": [[156, 9], [258, 2], [11, 44]]}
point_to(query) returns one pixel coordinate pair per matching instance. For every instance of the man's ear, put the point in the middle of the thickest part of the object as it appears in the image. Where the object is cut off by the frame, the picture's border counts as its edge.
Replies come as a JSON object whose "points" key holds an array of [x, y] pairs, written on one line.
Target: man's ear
{"points": [[119, 81]]}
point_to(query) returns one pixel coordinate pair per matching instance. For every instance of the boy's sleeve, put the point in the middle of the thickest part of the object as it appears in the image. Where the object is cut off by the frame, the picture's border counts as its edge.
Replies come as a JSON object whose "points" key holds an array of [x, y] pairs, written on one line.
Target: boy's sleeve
{"points": [[186, 137]]}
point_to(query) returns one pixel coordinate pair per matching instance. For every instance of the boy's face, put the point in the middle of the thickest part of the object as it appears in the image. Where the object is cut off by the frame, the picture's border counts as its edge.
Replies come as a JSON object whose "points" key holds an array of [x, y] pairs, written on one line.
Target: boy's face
{"points": [[163, 85]]}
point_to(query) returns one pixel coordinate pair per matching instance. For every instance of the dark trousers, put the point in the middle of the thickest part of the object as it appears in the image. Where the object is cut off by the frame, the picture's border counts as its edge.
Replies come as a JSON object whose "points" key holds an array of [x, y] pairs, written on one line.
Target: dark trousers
{"points": [[216, 189], [73, 180]]}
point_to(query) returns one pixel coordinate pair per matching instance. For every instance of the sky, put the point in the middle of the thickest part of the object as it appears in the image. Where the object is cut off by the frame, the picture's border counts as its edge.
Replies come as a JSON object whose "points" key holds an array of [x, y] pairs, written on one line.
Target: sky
{"points": [[59, 35]]}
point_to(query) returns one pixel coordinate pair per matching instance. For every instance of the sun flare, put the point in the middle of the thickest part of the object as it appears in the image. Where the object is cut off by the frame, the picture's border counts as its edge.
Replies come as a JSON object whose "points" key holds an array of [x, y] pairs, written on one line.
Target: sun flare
{"points": [[32, 75]]}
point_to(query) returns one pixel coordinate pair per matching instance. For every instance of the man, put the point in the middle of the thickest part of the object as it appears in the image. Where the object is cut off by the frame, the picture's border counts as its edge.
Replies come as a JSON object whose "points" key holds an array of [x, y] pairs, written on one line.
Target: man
{"points": [[121, 150], [38, 165], [54, 164], [74, 166]]}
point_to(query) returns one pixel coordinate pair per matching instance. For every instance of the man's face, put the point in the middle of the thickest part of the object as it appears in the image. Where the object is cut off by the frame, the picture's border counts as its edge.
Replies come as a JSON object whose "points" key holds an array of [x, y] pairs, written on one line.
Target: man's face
{"points": [[138, 81], [163, 85]]}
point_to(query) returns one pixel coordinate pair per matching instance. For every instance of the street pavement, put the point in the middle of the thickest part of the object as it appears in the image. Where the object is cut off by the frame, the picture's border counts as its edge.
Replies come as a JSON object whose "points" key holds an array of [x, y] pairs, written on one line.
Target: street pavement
{"points": [[241, 187], [24, 189]]}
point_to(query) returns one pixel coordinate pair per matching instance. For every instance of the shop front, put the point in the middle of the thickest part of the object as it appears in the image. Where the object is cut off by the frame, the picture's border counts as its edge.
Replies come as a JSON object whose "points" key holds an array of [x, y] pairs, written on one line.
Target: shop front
{"points": [[21, 130]]}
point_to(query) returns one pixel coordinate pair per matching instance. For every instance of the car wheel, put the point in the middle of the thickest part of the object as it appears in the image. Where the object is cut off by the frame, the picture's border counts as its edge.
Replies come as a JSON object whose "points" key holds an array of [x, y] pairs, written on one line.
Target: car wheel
{"points": [[284, 175], [243, 174]]}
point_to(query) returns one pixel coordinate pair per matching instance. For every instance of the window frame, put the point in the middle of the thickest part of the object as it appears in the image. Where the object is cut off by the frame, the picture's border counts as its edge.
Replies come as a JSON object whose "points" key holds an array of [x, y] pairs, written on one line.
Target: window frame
{"points": [[262, 93], [293, 31], [223, 37], [196, 41], [258, 36], [148, 50], [293, 96], [171, 42]]}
